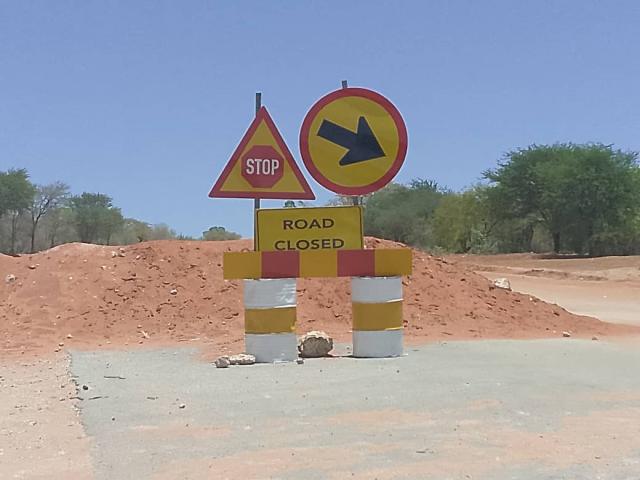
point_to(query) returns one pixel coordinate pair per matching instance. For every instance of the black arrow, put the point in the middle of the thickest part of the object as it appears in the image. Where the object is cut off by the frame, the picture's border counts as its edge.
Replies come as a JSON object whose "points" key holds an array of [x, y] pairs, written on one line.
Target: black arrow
{"points": [[361, 145]]}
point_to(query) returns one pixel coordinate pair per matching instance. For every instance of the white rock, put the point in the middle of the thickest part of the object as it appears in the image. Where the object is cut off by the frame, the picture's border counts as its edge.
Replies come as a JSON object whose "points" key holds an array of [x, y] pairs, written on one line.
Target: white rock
{"points": [[315, 344], [242, 359], [222, 362], [566, 334], [502, 283], [10, 278], [173, 291]]}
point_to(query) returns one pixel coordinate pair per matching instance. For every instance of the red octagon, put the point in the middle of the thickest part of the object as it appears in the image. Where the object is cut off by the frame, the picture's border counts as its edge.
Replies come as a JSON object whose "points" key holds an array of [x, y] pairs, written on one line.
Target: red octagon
{"points": [[262, 166]]}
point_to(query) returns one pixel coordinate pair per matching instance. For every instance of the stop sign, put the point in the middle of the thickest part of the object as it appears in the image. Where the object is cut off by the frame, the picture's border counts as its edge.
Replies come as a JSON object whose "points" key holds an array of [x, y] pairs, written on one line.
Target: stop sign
{"points": [[262, 166]]}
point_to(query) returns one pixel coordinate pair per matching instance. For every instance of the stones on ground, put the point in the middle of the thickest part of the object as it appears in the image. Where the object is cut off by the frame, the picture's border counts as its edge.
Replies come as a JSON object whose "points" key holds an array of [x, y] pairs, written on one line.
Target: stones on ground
{"points": [[239, 359], [242, 359], [299, 361], [222, 362], [566, 334], [594, 338], [502, 283], [315, 344], [10, 278], [182, 405], [173, 291]]}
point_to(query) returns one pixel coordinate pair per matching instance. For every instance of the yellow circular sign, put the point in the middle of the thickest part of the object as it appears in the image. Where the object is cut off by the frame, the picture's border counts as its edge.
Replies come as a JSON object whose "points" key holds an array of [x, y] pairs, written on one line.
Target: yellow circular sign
{"points": [[353, 141]]}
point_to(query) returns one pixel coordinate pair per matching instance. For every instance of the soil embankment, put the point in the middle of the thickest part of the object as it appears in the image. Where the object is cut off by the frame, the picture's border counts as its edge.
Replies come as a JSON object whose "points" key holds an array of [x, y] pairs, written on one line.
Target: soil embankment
{"points": [[162, 292]]}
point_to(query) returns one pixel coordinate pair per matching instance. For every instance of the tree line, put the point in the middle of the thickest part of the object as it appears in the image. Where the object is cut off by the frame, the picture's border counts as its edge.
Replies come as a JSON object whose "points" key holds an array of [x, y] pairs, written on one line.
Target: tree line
{"points": [[36, 217], [562, 198]]}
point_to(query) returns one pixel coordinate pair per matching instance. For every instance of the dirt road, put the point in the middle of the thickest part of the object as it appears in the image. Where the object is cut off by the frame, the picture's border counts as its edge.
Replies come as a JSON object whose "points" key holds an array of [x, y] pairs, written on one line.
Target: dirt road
{"points": [[607, 288]]}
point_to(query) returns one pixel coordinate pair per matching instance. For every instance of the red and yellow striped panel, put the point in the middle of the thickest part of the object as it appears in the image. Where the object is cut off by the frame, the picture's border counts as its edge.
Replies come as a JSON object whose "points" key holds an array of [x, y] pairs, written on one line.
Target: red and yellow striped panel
{"points": [[317, 263]]}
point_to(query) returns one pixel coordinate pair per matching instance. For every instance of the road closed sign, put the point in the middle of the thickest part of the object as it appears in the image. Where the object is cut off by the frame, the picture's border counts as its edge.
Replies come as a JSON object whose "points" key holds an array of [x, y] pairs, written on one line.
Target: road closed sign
{"points": [[319, 228], [262, 166], [353, 141]]}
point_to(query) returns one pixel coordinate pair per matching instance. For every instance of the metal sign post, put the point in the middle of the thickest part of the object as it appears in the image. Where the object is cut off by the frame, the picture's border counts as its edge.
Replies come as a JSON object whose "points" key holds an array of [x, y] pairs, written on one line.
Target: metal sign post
{"points": [[256, 201], [355, 199]]}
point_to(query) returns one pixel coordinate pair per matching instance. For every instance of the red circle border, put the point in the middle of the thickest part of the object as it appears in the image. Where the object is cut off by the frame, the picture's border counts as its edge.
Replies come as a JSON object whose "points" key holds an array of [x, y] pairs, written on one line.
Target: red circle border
{"points": [[370, 95]]}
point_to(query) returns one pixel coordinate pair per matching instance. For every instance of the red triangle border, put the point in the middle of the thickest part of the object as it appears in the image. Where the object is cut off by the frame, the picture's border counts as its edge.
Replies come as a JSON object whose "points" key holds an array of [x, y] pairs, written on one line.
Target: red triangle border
{"points": [[262, 115]]}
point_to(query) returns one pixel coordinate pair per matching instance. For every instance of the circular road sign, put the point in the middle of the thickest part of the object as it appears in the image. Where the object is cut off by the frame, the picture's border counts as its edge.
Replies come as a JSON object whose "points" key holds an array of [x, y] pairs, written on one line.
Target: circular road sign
{"points": [[353, 141]]}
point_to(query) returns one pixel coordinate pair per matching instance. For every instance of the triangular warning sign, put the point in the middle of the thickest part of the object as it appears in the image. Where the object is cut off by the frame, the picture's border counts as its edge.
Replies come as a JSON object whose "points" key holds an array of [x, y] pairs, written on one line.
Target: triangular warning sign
{"points": [[262, 166]]}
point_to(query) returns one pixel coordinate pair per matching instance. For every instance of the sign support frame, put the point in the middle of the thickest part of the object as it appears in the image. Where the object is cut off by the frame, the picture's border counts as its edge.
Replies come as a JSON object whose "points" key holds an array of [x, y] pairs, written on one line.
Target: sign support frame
{"points": [[355, 200], [256, 201]]}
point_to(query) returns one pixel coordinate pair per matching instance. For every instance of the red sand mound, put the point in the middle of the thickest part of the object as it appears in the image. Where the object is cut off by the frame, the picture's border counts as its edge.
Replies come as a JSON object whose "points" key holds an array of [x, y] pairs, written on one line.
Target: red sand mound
{"points": [[161, 292]]}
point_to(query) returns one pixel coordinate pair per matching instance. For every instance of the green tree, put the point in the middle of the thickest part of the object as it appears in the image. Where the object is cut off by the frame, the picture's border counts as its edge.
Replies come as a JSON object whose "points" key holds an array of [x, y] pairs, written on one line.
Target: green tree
{"points": [[95, 217], [219, 233], [16, 194], [162, 231], [402, 213], [575, 191], [59, 226], [133, 231], [347, 200], [113, 223], [462, 222], [296, 204], [46, 199]]}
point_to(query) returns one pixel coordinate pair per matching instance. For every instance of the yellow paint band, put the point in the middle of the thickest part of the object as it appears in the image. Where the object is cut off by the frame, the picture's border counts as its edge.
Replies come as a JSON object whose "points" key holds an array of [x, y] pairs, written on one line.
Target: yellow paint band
{"points": [[377, 316], [241, 265], [270, 320], [319, 263], [393, 262]]}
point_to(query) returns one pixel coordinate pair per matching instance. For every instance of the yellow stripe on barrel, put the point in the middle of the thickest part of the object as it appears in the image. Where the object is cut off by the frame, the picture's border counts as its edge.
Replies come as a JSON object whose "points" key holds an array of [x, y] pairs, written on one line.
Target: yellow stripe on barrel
{"points": [[377, 316], [270, 320]]}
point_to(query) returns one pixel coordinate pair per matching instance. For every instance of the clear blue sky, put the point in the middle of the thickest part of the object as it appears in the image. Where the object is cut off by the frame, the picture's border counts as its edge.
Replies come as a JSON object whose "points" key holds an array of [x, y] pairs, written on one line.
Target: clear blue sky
{"points": [[146, 100]]}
